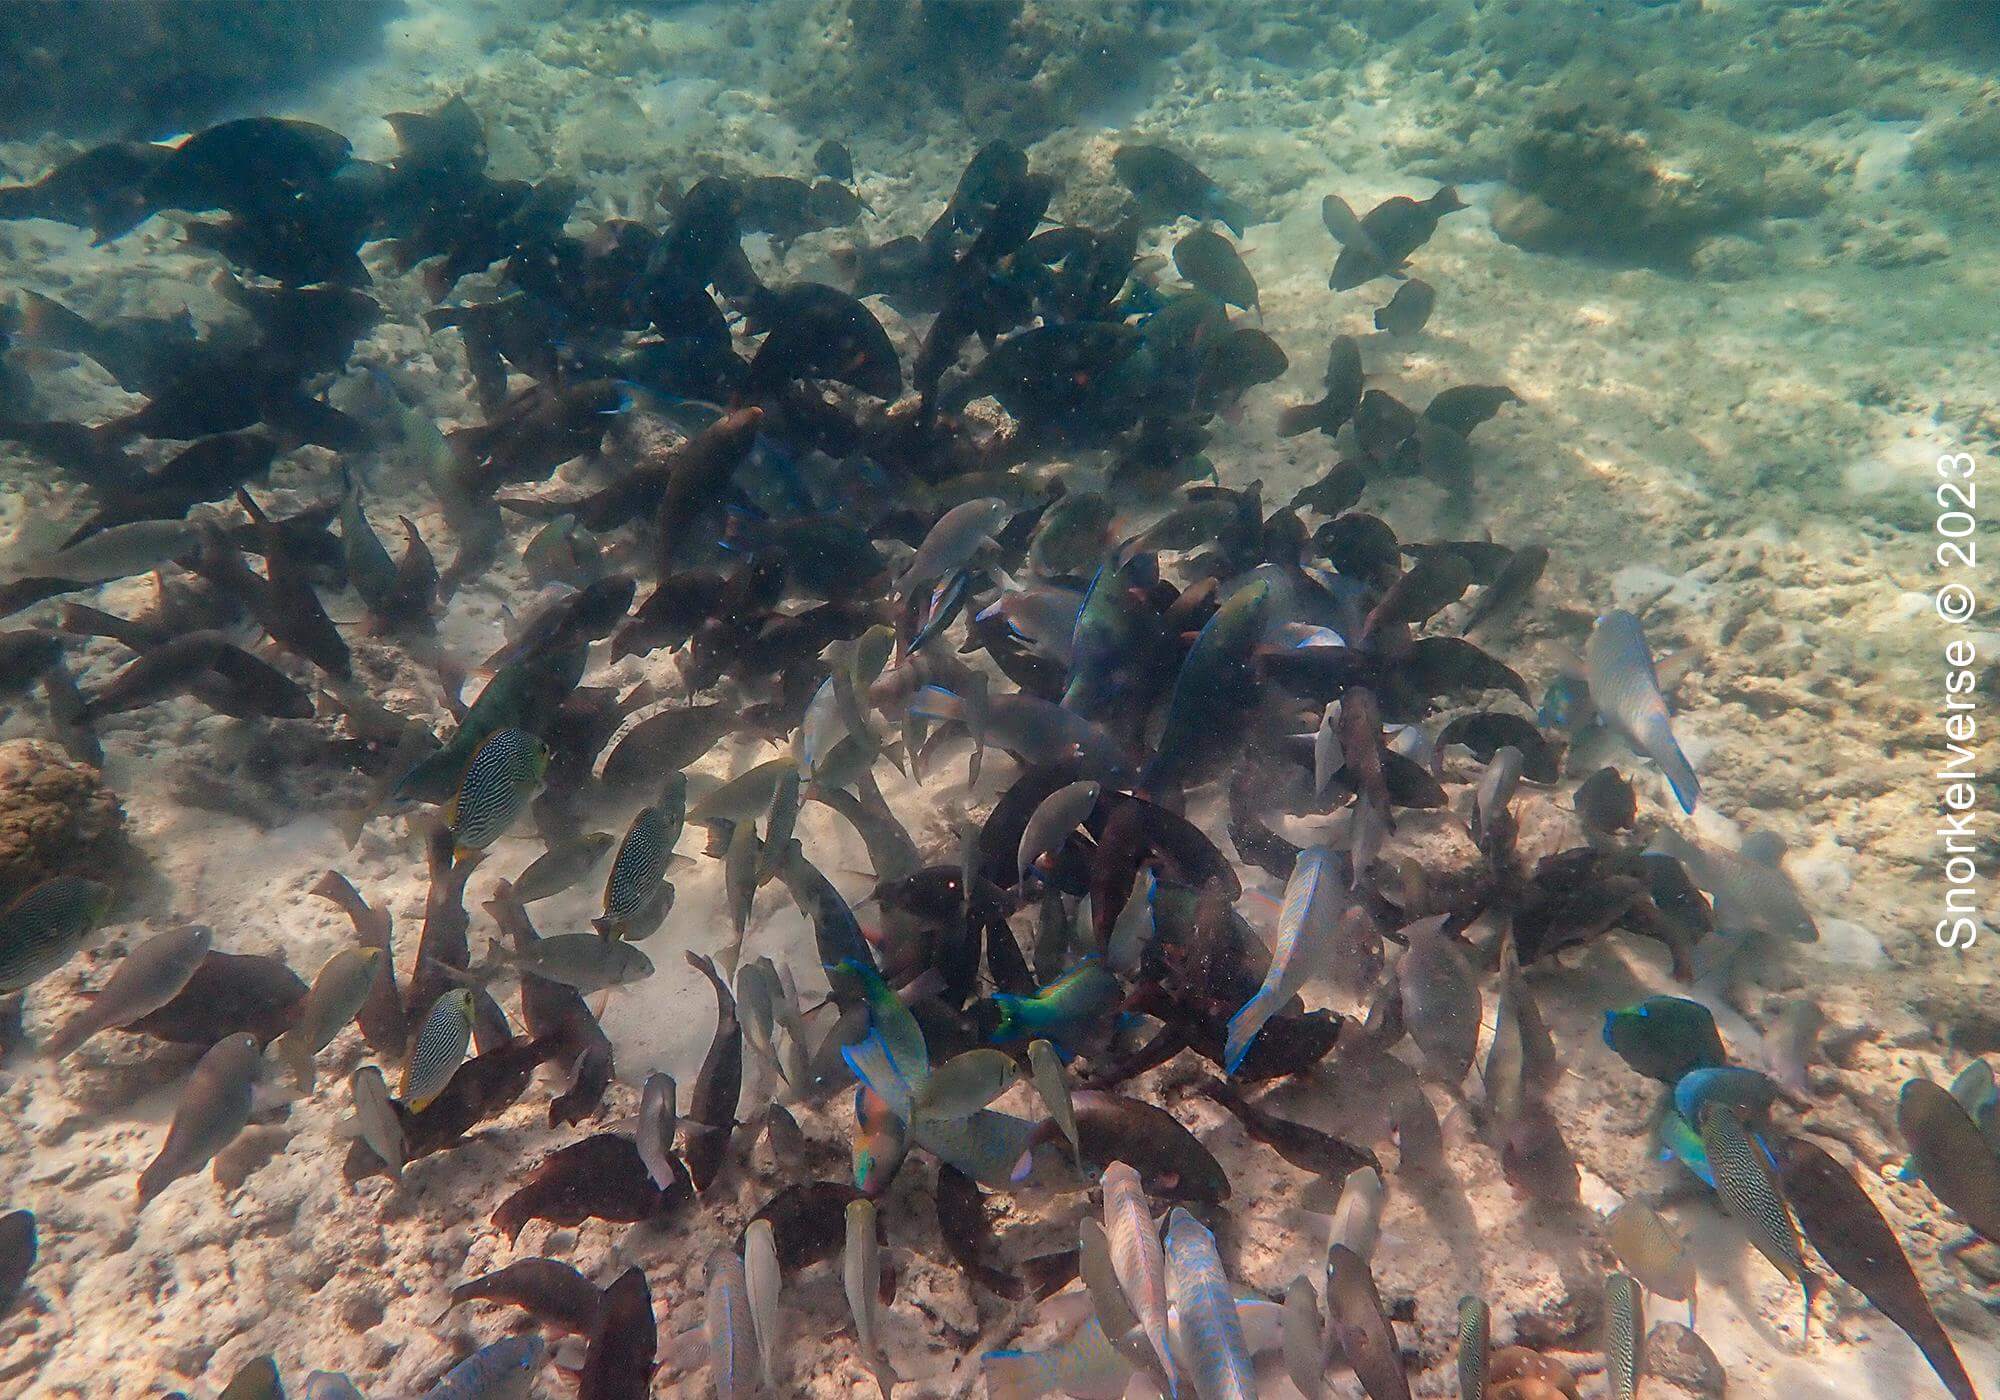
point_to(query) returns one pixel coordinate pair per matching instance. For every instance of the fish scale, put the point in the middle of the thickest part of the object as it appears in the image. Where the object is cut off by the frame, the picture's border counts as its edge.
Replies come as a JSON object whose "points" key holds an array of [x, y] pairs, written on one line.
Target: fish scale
{"points": [[502, 1371], [732, 1352], [1624, 1320], [1474, 1337], [496, 787], [638, 866], [1137, 1259]]}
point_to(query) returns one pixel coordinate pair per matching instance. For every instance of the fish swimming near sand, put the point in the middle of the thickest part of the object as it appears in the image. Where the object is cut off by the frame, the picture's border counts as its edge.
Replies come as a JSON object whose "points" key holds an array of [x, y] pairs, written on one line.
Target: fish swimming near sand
{"points": [[1626, 692]]}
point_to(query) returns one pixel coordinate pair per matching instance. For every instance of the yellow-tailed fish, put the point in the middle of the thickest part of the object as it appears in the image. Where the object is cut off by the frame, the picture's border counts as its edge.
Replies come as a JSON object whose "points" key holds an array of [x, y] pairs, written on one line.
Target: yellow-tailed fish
{"points": [[439, 1049], [861, 1274], [1305, 929], [499, 782], [1208, 1335]]}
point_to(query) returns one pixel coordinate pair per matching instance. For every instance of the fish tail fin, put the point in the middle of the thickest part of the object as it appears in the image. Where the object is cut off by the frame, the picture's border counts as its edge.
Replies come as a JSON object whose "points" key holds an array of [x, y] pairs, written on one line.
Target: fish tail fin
{"points": [[1014, 1375], [1007, 1027], [1664, 750], [1243, 1029], [935, 702]]}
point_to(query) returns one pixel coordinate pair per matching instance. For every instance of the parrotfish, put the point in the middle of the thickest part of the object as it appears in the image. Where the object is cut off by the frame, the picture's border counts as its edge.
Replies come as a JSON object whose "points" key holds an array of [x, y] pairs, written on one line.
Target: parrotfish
{"points": [[1950, 1154], [1848, 1230], [1209, 1338], [1304, 944], [504, 1370], [1137, 1259], [731, 1334], [147, 978], [214, 1107], [1085, 1366], [1063, 1012], [1626, 691], [553, 1292], [1216, 685], [1665, 1037], [1751, 1092], [1303, 1336], [1052, 821], [503, 775]]}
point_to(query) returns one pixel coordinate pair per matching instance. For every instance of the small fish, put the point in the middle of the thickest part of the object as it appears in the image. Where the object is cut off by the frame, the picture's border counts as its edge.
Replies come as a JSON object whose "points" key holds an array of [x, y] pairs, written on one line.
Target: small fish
{"points": [[589, 962], [1605, 801], [1440, 999], [376, 1121], [503, 1370], [1062, 1011], [1211, 262], [505, 772], [1626, 691], [641, 862], [214, 1107], [624, 1346], [1137, 1258], [731, 1332], [1511, 586], [1052, 821], [657, 1124], [1749, 1191], [1303, 1335], [1664, 1038], [1624, 1328], [46, 925], [146, 979], [562, 865], [711, 1115], [1750, 895], [331, 1385], [1475, 1335], [1085, 1364], [439, 1050], [1304, 942], [1651, 1252], [1750, 1092], [952, 542], [832, 160], [781, 819], [1357, 1215], [1847, 1228], [1210, 1336], [17, 1255], [1789, 1043], [1054, 1089], [861, 1274], [338, 991], [1408, 309], [1950, 1155], [256, 1379], [764, 1282], [553, 1292], [1355, 1310], [965, 1083]]}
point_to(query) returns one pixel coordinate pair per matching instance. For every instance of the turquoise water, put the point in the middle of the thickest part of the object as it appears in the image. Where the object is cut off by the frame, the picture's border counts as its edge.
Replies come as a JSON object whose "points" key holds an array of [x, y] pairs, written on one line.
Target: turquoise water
{"points": [[629, 619]]}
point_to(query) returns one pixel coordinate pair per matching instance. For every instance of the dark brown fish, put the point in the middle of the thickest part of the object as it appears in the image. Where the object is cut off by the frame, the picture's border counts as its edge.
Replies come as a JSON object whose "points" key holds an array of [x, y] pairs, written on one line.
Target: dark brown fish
{"points": [[156, 674], [1169, 1159], [1335, 492], [442, 943], [1515, 581], [207, 470], [287, 605], [1848, 1230], [535, 431], [483, 1087], [711, 1117], [1486, 732], [625, 1344], [965, 1229], [383, 1021], [575, 619], [229, 992], [1537, 1161], [550, 1291], [17, 1255], [1950, 1154], [1361, 747], [1435, 581], [695, 475], [599, 1178], [1306, 1148], [1408, 310], [1464, 408], [808, 1222], [1354, 1309], [1605, 801], [102, 189]]}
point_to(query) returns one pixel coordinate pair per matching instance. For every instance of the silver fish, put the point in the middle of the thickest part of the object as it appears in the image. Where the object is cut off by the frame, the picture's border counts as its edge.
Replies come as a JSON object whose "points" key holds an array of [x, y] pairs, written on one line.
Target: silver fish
{"points": [[1137, 1257], [1441, 999], [214, 1107], [1626, 691], [764, 1281], [1496, 789], [589, 962], [1052, 821], [1304, 1339], [148, 977], [331, 1385], [119, 552], [781, 819], [1750, 896], [338, 991], [959, 534], [376, 1121], [505, 1370], [1209, 1337], [562, 865], [657, 1124], [1357, 1219], [1789, 1043], [1305, 927], [731, 1332], [1054, 1089], [965, 1083], [861, 1274]]}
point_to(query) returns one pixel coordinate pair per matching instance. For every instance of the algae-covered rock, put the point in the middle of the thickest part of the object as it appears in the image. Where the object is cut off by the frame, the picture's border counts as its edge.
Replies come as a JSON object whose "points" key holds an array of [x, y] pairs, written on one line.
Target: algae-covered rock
{"points": [[1585, 182], [56, 815], [1018, 69]]}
